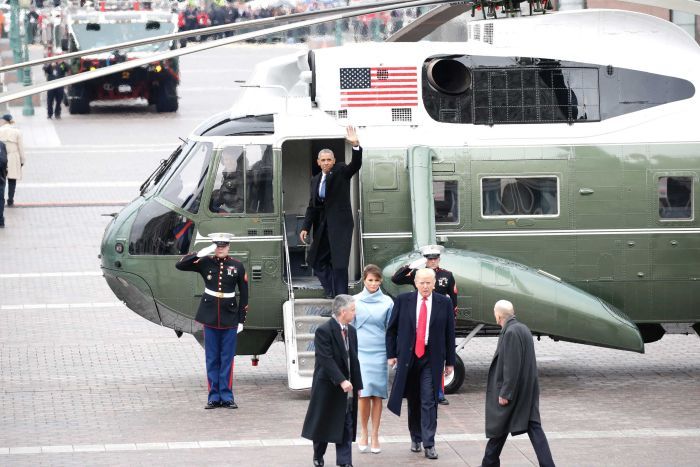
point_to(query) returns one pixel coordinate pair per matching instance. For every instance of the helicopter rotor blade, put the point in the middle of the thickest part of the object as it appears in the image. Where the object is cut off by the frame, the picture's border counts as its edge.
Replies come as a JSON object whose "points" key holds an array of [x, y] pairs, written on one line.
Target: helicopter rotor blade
{"points": [[688, 6], [396, 4], [100, 72]]}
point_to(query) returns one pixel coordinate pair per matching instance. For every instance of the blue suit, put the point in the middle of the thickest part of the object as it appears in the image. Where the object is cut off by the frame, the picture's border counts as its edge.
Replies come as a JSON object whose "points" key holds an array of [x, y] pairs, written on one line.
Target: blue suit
{"points": [[420, 379]]}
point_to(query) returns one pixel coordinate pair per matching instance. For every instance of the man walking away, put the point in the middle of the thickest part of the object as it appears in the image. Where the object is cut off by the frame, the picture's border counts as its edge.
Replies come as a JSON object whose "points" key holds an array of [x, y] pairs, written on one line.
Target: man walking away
{"points": [[513, 392]]}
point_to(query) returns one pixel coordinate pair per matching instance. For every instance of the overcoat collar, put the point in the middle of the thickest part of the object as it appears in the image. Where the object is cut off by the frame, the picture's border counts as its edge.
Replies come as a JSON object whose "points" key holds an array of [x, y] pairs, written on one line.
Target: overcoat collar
{"points": [[508, 323], [338, 336]]}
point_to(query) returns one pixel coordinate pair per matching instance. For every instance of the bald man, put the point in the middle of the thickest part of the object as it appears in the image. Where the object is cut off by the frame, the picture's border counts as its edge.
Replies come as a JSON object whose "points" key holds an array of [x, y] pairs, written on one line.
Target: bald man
{"points": [[513, 392]]}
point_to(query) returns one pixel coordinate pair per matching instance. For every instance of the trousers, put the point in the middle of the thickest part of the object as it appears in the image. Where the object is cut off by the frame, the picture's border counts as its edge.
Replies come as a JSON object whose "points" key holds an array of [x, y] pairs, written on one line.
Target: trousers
{"points": [[537, 438], [422, 409], [219, 351], [333, 280], [343, 451], [54, 99]]}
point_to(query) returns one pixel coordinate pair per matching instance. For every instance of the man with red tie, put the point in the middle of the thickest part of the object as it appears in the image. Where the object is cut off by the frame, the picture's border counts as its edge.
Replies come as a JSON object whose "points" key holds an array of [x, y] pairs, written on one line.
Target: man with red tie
{"points": [[419, 344]]}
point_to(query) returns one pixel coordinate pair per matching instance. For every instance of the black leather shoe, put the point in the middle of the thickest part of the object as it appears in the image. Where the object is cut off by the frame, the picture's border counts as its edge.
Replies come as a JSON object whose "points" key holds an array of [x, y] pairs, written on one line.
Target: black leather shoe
{"points": [[443, 401], [229, 405], [212, 405], [430, 453], [415, 447], [345, 465], [318, 462]]}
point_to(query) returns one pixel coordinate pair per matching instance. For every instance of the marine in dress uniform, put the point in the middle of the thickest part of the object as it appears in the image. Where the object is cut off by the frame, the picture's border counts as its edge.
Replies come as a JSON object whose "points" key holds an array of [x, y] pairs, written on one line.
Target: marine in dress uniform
{"points": [[444, 283], [222, 312]]}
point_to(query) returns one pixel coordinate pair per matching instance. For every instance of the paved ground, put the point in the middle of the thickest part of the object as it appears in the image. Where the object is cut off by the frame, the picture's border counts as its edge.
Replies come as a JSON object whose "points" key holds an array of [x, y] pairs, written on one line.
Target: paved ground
{"points": [[84, 381]]}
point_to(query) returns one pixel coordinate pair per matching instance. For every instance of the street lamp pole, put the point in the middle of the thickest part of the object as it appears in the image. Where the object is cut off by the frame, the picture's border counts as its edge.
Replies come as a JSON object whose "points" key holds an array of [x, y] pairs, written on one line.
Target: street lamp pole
{"points": [[19, 53]]}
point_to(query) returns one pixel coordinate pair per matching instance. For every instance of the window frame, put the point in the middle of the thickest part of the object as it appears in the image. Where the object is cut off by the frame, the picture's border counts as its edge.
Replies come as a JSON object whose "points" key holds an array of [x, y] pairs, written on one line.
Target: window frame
{"points": [[218, 153], [657, 180], [459, 207], [519, 216]]}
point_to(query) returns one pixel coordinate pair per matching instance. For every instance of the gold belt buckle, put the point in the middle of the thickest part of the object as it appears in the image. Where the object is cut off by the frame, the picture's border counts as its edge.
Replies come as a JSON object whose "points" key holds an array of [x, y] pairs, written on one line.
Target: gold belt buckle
{"points": [[220, 294]]}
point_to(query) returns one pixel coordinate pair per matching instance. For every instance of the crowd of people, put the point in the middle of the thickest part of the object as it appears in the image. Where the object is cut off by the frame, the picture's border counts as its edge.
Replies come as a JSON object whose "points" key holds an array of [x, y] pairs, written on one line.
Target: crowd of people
{"points": [[376, 26]]}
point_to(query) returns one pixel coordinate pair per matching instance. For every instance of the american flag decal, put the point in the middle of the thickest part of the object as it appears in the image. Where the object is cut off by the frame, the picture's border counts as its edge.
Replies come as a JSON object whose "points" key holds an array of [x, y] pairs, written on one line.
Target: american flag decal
{"points": [[379, 87]]}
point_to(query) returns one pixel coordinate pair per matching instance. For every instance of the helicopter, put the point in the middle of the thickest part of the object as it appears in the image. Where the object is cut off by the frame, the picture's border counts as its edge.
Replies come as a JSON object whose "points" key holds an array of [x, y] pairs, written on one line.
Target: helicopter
{"points": [[560, 177]]}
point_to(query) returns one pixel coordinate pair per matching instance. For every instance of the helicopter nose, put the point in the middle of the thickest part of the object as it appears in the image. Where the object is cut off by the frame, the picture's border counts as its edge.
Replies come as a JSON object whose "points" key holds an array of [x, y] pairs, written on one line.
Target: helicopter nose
{"points": [[134, 291]]}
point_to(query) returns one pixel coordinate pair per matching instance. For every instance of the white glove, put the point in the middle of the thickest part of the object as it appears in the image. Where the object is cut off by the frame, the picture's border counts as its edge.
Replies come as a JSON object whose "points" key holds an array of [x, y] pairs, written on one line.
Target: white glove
{"points": [[240, 328], [206, 251], [418, 264]]}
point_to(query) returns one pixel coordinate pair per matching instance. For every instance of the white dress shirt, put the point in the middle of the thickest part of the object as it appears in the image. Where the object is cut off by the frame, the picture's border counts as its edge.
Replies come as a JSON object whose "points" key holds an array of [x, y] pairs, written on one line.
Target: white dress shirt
{"points": [[429, 305]]}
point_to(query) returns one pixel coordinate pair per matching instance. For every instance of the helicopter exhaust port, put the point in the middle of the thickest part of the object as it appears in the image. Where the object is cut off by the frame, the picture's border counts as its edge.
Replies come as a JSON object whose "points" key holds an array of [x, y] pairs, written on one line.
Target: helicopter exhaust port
{"points": [[449, 76]]}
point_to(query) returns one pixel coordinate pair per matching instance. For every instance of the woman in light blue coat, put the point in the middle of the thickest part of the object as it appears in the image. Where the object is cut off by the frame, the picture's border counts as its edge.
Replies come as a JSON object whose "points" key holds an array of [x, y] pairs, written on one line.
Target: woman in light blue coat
{"points": [[373, 310]]}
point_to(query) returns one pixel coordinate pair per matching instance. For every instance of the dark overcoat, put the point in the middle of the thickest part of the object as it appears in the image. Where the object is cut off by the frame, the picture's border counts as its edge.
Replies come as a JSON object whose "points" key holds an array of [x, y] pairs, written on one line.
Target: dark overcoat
{"points": [[513, 376], [333, 216], [401, 339], [225, 275], [325, 417]]}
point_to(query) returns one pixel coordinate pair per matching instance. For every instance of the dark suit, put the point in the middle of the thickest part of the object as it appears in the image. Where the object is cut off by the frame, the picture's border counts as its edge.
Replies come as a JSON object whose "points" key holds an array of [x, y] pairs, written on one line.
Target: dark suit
{"points": [[419, 379], [332, 416], [513, 376], [332, 222]]}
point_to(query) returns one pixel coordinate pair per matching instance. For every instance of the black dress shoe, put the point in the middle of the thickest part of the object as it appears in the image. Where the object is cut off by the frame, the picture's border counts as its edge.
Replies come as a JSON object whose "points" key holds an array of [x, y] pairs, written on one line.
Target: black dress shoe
{"points": [[229, 405], [212, 405], [318, 463], [443, 401], [345, 465], [415, 447], [430, 453]]}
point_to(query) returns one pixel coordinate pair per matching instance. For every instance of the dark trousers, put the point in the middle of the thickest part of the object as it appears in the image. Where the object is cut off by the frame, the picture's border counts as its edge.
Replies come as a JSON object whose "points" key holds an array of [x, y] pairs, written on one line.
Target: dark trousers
{"points": [[11, 185], [333, 280], [219, 350], [54, 99], [537, 438], [343, 451], [422, 409]]}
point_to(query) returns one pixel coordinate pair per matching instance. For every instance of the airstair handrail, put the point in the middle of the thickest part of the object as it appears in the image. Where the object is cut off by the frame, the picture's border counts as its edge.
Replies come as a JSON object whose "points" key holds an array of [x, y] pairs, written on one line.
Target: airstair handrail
{"points": [[290, 287]]}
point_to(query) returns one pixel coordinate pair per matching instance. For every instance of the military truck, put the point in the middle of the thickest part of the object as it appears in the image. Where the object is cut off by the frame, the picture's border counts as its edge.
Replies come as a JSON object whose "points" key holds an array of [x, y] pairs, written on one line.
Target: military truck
{"points": [[156, 83]]}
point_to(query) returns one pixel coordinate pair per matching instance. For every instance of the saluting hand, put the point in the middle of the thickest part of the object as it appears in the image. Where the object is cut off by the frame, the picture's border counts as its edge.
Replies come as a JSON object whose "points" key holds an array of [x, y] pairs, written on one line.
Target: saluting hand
{"points": [[206, 251], [352, 136]]}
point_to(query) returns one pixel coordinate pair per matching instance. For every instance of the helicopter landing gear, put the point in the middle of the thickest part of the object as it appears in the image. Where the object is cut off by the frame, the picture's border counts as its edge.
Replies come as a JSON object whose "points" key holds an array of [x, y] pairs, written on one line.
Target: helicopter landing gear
{"points": [[456, 379], [166, 97]]}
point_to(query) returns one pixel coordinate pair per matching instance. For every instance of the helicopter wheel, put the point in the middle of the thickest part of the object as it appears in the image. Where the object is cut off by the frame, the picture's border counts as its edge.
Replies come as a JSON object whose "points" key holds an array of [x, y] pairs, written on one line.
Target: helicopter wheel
{"points": [[456, 379], [166, 99]]}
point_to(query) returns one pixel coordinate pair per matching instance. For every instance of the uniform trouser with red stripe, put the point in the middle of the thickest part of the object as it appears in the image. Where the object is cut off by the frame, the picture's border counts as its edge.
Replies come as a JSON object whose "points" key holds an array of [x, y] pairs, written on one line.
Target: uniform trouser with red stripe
{"points": [[219, 350]]}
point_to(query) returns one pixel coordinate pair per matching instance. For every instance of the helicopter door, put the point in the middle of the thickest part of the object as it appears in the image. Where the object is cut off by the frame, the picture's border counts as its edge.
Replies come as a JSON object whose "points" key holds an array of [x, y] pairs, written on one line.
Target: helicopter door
{"points": [[298, 166]]}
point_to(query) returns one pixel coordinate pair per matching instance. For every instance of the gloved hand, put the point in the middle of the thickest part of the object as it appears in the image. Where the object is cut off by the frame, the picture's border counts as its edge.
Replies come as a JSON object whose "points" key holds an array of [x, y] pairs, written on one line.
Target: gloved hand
{"points": [[418, 264], [206, 251], [240, 328]]}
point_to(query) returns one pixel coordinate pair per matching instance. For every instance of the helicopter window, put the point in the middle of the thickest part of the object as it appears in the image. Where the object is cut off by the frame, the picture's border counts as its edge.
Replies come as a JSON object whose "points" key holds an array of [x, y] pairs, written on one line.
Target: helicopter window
{"points": [[243, 181], [159, 230], [91, 35], [446, 196], [185, 187], [520, 196], [676, 198]]}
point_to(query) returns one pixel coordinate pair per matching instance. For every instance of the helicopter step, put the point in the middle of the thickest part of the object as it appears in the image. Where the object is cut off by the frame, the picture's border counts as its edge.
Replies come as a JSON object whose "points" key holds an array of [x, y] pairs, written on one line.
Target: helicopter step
{"points": [[301, 318]]}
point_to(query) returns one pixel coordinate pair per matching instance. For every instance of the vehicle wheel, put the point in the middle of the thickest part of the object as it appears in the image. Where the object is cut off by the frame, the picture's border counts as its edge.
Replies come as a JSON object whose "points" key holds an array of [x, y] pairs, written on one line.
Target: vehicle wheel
{"points": [[166, 99], [456, 379], [78, 105]]}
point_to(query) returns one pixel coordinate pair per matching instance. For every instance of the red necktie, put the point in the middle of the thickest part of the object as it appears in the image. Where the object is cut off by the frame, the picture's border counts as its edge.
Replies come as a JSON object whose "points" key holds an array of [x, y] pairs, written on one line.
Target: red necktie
{"points": [[420, 329]]}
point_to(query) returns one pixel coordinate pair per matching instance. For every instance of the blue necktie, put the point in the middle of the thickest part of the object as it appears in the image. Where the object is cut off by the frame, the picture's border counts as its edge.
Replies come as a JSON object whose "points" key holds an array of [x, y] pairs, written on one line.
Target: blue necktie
{"points": [[322, 188]]}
